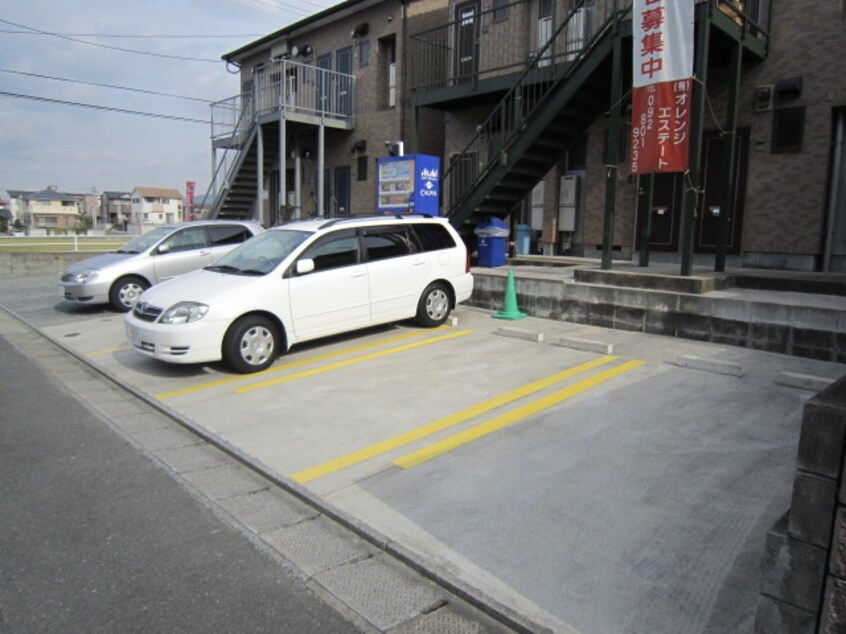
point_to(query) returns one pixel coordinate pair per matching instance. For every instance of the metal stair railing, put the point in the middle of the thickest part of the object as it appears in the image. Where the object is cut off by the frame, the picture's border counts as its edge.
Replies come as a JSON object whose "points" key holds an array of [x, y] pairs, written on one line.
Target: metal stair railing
{"points": [[505, 123], [224, 171]]}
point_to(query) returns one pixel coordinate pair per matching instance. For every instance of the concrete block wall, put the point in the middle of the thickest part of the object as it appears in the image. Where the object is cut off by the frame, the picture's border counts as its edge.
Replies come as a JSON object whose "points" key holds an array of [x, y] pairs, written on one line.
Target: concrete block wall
{"points": [[815, 333], [25, 263], [803, 581]]}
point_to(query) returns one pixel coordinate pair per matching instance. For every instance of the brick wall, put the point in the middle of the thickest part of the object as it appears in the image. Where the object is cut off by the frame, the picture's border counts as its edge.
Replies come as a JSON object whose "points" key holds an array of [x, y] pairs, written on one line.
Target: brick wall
{"points": [[803, 584]]}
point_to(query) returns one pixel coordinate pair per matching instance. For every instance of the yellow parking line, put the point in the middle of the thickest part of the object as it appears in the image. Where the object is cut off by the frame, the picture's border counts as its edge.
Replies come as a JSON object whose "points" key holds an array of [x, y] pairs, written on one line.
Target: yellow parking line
{"points": [[294, 364], [348, 362], [509, 418], [98, 353], [331, 466]]}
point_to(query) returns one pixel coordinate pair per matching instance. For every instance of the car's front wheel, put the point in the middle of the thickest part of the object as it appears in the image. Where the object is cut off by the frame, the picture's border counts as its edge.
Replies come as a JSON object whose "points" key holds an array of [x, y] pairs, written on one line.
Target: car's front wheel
{"points": [[434, 305], [125, 291], [251, 344]]}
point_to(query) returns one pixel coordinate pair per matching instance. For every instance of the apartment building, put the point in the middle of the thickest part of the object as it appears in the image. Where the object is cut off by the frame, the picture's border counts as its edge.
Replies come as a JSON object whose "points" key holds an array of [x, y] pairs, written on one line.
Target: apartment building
{"points": [[321, 100], [520, 100], [528, 88]]}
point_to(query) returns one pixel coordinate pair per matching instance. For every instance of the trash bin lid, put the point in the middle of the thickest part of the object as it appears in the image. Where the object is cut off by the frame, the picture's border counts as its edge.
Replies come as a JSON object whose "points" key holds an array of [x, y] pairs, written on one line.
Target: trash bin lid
{"points": [[491, 227]]}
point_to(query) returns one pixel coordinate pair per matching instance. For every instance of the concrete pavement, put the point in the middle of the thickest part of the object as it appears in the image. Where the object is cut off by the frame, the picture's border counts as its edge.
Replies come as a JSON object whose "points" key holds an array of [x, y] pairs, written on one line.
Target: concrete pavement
{"points": [[634, 503]]}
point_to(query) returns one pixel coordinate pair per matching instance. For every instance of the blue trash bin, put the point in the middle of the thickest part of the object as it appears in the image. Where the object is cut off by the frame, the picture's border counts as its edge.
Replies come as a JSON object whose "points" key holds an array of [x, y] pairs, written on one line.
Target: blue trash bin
{"points": [[491, 242], [524, 239]]}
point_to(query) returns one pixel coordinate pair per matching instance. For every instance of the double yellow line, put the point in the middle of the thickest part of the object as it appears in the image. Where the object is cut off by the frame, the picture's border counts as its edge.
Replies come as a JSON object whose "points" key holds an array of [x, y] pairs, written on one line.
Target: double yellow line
{"points": [[482, 429], [316, 359]]}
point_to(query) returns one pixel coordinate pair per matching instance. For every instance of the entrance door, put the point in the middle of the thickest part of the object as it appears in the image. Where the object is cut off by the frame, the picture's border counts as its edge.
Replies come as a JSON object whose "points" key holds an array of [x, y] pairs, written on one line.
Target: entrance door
{"points": [[342, 191], [466, 41], [707, 222], [324, 84], [668, 201], [544, 31], [344, 64], [463, 169]]}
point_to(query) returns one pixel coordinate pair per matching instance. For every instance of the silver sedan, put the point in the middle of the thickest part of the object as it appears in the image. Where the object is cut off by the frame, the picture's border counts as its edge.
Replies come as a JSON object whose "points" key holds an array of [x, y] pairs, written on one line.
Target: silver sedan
{"points": [[118, 278]]}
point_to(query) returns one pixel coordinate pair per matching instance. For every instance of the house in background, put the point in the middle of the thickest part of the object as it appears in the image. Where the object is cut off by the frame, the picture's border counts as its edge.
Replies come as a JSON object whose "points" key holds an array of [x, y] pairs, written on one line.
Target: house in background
{"points": [[116, 209], [151, 206], [320, 101], [48, 210]]}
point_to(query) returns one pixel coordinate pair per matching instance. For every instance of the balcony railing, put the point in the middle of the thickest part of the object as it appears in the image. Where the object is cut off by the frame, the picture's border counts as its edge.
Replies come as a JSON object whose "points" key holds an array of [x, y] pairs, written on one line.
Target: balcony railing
{"points": [[307, 93], [480, 45], [298, 89], [502, 41]]}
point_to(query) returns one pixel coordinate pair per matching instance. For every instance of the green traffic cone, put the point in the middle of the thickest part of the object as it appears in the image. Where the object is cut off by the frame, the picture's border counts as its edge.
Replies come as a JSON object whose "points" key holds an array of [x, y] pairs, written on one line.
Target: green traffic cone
{"points": [[509, 309]]}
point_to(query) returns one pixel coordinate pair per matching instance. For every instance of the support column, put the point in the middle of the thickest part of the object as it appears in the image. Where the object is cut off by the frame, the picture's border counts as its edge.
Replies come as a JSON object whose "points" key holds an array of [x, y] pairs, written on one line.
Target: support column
{"points": [[298, 180], [612, 152], [697, 122], [729, 177], [259, 206], [321, 140], [283, 172]]}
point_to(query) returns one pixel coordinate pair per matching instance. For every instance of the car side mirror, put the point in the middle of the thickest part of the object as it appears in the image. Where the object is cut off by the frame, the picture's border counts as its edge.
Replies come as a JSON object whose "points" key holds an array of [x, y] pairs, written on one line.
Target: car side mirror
{"points": [[304, 266], [163, 248]]}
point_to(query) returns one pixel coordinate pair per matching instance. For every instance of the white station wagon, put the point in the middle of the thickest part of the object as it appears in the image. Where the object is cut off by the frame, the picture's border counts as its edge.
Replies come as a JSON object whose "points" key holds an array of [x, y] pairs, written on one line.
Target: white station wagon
{"points": [[301, 281]]}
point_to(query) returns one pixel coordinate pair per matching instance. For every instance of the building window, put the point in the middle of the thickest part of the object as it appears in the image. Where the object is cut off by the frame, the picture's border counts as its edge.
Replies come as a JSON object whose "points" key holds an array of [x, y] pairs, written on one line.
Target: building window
{"points": [[364, 53], [500, 10], [361, 168], [788, 130]]}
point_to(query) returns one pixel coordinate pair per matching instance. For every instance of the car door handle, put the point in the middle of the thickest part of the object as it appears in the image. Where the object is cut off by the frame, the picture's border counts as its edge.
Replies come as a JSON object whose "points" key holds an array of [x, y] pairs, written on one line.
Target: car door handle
{"points": [[358, 273], [205, 252], [419, 262]]}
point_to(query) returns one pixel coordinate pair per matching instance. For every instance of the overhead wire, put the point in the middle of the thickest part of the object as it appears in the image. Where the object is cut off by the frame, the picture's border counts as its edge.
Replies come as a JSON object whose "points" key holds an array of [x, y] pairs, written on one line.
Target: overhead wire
{"points": [[107, 46], [107, 108], [112, 86]]}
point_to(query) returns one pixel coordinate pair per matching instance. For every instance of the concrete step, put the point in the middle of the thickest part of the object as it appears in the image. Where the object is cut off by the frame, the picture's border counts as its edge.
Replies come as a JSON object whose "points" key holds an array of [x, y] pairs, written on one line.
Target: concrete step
{"points": [[800, 324]]}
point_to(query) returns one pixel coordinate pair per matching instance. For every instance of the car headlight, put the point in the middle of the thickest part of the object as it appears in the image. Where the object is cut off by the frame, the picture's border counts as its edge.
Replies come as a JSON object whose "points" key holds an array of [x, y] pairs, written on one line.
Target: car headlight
{"points": [[184, 313], [86, 275]]}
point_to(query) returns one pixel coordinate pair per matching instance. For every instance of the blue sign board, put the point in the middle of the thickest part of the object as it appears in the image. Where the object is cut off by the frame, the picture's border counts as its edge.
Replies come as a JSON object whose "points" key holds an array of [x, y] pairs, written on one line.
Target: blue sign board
{"points": [[408, 184]]}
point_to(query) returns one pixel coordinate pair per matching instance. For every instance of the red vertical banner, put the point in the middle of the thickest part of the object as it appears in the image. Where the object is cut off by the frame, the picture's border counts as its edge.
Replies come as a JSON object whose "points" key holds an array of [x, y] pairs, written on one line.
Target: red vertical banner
{"points": [[662, 70], [189, 200]]}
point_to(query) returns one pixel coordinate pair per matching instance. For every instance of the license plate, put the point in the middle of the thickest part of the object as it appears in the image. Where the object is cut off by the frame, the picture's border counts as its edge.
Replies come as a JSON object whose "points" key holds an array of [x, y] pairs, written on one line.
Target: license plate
{"points": [[134, 336]]}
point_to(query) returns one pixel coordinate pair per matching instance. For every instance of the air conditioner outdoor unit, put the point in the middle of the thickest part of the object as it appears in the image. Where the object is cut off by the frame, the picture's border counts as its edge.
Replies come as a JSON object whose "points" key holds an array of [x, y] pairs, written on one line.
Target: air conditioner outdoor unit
{"points": [[280, 50]]}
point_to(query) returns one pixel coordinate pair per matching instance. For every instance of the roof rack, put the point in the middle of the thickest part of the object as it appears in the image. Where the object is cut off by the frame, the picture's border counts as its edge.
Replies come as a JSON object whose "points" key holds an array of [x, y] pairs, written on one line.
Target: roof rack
{"points": [[335, 221]]}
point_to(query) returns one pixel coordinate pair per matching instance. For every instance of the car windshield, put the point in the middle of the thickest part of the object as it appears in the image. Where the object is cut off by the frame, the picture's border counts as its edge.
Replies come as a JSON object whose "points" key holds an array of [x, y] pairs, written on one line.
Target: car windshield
{"points": [[145, 241], [261, 254]]}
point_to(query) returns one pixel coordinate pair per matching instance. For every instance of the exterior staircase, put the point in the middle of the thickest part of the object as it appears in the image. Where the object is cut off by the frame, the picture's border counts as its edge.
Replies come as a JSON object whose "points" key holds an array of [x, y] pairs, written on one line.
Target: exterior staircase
{"points": [[547, 110]]}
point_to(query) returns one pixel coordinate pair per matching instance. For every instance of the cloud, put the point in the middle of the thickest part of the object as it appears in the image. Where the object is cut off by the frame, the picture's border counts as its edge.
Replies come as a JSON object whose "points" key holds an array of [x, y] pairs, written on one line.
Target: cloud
{"points": [[79, 148]]}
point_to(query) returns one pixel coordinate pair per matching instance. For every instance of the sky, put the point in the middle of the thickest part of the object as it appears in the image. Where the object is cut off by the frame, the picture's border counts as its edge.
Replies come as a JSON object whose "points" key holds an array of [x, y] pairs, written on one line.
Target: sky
{"points": [[54, 51]]}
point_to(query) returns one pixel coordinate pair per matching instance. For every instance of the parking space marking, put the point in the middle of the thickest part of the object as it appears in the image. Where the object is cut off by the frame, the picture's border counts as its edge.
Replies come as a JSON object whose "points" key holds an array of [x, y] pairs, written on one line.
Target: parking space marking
{"points": [[510, 418], [348, 362], [295, 364], [377, 449], [99, 353]]}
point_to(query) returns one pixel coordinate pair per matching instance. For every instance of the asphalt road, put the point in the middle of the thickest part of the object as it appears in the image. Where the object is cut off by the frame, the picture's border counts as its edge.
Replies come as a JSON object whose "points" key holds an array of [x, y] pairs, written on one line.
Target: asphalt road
{"points": [[94, 537]]}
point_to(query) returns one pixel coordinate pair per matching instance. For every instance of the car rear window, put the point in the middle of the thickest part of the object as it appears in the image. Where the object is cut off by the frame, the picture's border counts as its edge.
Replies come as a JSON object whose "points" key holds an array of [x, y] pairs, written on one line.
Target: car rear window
{"points": [[220, 235], [434, 237]]}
